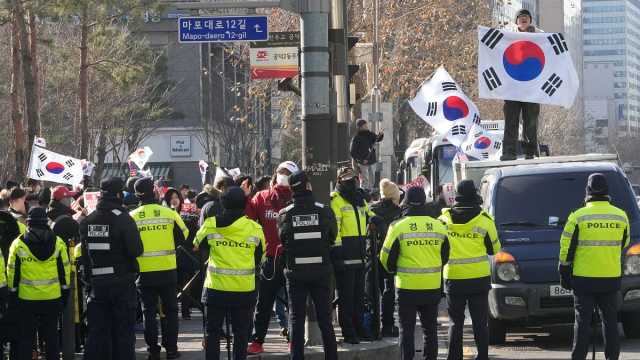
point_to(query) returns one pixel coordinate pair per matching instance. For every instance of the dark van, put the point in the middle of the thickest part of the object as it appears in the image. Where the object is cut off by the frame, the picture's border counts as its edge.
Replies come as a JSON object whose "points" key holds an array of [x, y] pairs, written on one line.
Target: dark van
{"points": [[530, 204]]}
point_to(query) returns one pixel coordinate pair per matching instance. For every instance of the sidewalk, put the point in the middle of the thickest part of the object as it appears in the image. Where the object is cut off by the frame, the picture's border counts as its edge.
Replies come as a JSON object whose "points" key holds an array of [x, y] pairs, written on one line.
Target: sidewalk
{"points": [[276, 348]]}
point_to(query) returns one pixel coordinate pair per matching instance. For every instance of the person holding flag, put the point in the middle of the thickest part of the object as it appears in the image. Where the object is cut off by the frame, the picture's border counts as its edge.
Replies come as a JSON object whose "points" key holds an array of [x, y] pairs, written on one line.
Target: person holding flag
{"points": [[513, 109]]}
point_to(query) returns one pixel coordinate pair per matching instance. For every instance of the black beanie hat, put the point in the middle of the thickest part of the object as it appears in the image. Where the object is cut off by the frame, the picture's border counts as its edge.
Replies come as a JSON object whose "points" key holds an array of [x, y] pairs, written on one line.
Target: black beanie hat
{"points": [[298, 181], [112, 186], [597, 185], [37, 217], [523, 12], [415, 196], [467, 193], [144, 187], [233, 199]]}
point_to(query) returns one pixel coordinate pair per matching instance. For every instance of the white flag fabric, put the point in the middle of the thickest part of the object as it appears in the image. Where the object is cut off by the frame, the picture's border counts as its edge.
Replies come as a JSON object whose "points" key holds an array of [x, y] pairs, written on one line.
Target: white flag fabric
{"points": [[46, 165], [528, 67], [441, 103], [40, 142], [140, 157], [203, 166], [483, 145]]}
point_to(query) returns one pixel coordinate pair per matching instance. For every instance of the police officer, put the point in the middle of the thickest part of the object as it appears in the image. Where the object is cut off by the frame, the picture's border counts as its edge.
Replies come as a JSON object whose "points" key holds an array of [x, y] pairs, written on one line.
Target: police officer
{"points": [[38, 278], [235, 245], [472, 237], [415, 249], [590, 251], [110, 245], [351, 212], [161, 230], [308, 230]]}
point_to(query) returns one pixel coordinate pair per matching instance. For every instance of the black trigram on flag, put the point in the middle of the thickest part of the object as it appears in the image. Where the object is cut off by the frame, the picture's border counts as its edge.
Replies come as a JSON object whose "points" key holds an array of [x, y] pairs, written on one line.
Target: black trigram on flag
{"points": [[42, 157], [492, 38], [497, 145], [558, 43], [468, 148], [449, 86], [70, 163], [40, 173], [459, 130], [68, 176], [551, 85], [491, 78], [476, 119], [432, 108], [485, 155]]}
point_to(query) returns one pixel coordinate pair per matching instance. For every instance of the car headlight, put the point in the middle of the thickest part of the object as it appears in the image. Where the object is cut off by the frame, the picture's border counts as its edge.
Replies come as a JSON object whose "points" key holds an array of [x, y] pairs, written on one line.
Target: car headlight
{"points": [[506, 267], [632, 261]]}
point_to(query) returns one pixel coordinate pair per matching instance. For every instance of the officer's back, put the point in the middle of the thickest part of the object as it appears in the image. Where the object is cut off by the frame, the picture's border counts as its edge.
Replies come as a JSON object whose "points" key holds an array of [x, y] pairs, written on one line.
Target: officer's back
{"points": [[110, 244], [110, 239]]}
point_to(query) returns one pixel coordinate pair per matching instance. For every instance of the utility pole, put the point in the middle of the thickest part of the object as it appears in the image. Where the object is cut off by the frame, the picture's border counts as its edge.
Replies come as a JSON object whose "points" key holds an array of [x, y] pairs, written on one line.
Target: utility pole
{"points": [[317, 133], [375, 117], [339, 67]]}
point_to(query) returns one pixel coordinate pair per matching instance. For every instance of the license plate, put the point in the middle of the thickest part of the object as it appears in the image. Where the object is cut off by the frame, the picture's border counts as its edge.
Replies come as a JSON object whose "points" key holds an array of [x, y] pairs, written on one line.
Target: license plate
{"points": [[557, 290]]}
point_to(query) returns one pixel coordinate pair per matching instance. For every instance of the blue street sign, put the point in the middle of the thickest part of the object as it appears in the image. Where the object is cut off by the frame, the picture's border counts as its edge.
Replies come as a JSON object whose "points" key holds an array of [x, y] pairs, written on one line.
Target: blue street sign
{"points": [[223, 29]]}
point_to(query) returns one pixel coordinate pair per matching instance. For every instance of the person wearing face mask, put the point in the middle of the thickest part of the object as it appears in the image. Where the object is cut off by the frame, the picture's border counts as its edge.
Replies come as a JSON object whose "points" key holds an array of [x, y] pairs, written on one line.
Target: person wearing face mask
{"points": [[352, 214], [264, 208], [18, 207]]}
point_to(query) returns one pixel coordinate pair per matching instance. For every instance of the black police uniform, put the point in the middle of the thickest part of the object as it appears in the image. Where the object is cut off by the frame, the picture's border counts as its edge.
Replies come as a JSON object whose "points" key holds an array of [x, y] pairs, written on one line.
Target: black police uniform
{"points": [[308, 230], [110, 244]]}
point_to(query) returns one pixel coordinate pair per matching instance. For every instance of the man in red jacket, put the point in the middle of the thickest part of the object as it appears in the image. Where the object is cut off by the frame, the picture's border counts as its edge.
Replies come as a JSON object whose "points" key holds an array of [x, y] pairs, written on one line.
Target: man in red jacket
{"points": [[264, 208]]}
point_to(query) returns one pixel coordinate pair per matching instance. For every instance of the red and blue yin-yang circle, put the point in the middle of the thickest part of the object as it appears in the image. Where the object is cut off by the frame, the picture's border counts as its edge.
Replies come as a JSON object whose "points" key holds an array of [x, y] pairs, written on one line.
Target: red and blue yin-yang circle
{"points": [[482, 143], [455, 108], [523, 60], [54, 168]]}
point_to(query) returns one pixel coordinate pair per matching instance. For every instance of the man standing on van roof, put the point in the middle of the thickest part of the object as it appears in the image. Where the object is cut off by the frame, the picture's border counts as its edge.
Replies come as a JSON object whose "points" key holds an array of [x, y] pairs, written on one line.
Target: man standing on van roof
{"points": [[590, 249], [513, 109]]}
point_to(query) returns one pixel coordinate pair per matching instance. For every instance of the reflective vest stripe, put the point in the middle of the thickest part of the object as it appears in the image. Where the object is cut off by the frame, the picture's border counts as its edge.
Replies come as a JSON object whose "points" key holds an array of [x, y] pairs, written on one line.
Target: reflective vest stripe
{"points": [[346, 208], [305, 236], [39, 282], [599, 243], [474, 260], [238, 272], [99, 246], [157, 221], [567, 234], [614, 217], [479, 230], [352, 262], [388, 251], [309, 260], [103, 271], [22, 253], [214, 236], [565, 262], [428, 270], [418, 235], [254, 240], [158, 253]]}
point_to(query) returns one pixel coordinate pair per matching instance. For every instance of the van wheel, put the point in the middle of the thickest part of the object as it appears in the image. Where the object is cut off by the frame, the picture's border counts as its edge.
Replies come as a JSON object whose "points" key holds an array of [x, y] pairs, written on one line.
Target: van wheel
{"points": [[631, 324], [497, 331]]}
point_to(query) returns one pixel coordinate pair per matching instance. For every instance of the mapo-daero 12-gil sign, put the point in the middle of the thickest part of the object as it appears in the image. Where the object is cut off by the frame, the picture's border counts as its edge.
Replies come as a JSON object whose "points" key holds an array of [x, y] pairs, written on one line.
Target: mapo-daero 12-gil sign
{"points": [[222, 29]]}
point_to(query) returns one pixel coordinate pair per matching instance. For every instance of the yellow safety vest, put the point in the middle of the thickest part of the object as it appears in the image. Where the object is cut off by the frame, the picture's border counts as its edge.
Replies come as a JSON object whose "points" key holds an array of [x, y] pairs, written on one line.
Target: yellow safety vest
{"points": [[155, 224], [601, 237], [22, 227], [350, 237], [3, 275], [231, 254], [419, 264], [468, 258], [39, 280]]}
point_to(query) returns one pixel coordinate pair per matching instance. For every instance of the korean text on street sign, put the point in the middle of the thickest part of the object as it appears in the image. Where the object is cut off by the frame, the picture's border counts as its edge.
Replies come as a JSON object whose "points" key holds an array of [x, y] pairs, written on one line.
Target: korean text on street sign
{"points": [[276, 58], [222, 29]]}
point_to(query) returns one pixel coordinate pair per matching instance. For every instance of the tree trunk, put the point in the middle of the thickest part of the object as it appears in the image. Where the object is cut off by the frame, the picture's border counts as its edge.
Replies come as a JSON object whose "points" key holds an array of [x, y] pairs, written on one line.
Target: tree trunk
{"points": [[16, 117], [33, 42], [101, 154], [31, 110], [83, 129]]}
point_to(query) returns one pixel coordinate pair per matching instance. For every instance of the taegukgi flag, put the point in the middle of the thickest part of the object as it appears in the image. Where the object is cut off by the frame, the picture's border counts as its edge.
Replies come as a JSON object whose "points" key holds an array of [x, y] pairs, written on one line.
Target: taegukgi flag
{"points": [[528, 67], [441, 103], [46, 165], [482, 145]]}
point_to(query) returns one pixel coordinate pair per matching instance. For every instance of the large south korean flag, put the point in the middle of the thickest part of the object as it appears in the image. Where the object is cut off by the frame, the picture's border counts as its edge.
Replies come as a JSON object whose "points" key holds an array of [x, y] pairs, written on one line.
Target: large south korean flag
{"points": [[441, 103], [47, 165], [528, 67]]}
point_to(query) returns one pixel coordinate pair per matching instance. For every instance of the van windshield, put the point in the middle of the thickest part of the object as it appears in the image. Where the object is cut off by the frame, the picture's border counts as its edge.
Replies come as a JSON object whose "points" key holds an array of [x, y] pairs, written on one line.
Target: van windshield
{"points": [[445, 154], [548, 199]]}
